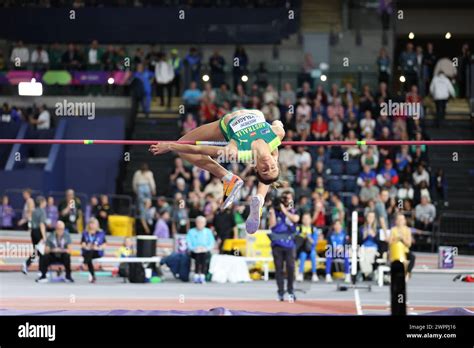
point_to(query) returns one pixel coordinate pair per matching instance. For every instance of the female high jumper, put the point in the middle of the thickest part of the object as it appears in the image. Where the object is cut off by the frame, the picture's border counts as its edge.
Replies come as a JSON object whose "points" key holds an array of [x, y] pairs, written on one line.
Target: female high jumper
{"points": [[251, 139]]}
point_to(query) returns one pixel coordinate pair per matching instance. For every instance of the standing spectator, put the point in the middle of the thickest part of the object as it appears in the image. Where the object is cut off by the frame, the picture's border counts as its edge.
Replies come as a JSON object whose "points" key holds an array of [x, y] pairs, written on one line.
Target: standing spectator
{"points": [[38, 231], [383, 63], [52, 214], [144, 186], [109, 58], [27, 212], [381, 215], [20, 56], [407, 63], [192, 97], [93, 243], [192, 65], [463, 72], [180, 218], [55, 56], [141, 87], [337, 241], [104, 210], [94, 56], [241, 62], [429, 62], [177, 65], [70, 211], [401, 233], [441, 89], [162, 229], [225, 227], [43, 122], [309, 236], [308, 66], [164, 75], [7, 214], [282, 220], [440, 186], [425, 214], [148, 220], [58, 250], [71, 59], [200, 242], [419, 70], [217, 65], [39, 59]]}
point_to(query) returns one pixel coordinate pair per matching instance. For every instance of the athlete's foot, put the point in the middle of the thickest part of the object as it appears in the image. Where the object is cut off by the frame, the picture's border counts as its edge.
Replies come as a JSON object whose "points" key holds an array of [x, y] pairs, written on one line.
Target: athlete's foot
{"points": [[253, 220], [232, 185], [24, 268]]}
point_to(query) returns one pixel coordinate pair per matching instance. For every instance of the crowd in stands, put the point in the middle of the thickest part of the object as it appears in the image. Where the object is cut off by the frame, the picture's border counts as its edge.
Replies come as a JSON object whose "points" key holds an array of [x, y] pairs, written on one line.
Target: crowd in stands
{"points": [[38, 116]]}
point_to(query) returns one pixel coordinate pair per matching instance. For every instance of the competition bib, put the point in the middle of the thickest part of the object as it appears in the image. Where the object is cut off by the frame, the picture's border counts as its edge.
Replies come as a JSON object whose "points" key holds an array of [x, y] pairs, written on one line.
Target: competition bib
{"points": [[246, 120]]}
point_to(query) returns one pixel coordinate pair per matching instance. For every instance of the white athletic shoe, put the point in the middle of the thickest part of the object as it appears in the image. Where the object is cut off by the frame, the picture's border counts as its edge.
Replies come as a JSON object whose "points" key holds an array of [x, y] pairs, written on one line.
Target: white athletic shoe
{"points": [[347, 279], [24, 268], [299, 277], [328, 278], [202, 279], [253, 220], [231, 184], [315, 278], [196, 278]]}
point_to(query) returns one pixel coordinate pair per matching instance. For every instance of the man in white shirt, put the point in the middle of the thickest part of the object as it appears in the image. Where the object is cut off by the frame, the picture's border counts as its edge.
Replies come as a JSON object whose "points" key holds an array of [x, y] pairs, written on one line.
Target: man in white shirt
{"points": [[39, 58], [94, 56], [20, 56], [43, 122], [441, 89], [302, 157], [421, 175], [164, 75]]}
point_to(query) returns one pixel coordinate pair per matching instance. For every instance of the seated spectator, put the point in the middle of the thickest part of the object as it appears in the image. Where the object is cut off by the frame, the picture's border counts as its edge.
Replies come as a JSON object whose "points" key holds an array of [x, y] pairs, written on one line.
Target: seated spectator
{"points": [[303, 111], [302, 157], [271, 111], [336, 249], [403, 160], [57, 250], [20, 56], [335, 125], [306, 243], [104, 210], [305, 92], [52, 214], [366, 100], [320, 188], [420, 175], [334, 94], [335, 110], [207, 111], [192, 97], [387, 173], [223, 94], [367, 124], [72, 59], [338, 211], [287, 157], [180, 171], [287, 94], [200, 242], [189, 124], [125, 250], [7, 214], [401, 233], [224, 109], [39, 59], [270, 95], [351, 123], [162, 226], [209, 92], [302, 190], [366, 174], [70, 210], [214, 188], [370, 158], [348, 96], [320, 96], [369, 244], [382, 122], [353, 151], [440, 186], [240, 95], [406, 191], [93, 244], [425, 214], [319, 128], [319, 212], [369, 191]]}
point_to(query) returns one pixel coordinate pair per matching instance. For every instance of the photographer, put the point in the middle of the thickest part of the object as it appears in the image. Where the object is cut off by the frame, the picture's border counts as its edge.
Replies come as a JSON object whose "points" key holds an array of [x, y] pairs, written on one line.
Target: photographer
{"points": [[282, 222]]}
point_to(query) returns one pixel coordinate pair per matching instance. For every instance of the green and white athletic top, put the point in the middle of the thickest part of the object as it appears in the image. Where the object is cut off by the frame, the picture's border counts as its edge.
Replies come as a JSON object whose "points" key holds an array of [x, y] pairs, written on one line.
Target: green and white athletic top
{"points": [[244, 128]]}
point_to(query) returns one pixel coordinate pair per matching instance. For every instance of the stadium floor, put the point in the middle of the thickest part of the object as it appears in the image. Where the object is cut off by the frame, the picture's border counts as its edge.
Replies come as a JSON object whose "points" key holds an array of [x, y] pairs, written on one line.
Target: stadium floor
{"points": [[19, 294]]}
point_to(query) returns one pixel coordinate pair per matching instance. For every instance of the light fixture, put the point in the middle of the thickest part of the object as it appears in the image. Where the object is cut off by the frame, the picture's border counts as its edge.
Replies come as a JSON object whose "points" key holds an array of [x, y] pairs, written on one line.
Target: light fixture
{"points": [[411, 35]]}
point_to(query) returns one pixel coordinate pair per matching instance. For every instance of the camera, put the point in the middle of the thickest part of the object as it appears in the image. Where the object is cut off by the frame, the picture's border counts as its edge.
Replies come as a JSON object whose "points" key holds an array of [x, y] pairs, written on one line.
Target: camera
{"points": [[284, 199]]}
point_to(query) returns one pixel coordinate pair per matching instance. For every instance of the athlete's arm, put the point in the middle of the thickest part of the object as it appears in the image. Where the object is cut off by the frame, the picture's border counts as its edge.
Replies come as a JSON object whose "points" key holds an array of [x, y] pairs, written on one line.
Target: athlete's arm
{"points": [[277, 128], [212, 151]]}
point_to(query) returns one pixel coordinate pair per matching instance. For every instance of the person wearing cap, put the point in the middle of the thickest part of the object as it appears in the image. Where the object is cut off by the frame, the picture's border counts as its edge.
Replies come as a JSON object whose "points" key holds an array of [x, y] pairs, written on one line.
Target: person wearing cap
{"points": [[387, 173], [177, 65]]}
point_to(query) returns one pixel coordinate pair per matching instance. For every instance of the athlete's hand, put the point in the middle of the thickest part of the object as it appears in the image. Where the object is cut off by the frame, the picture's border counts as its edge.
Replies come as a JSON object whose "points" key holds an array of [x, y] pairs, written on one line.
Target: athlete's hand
{"points": [[159, 148]]}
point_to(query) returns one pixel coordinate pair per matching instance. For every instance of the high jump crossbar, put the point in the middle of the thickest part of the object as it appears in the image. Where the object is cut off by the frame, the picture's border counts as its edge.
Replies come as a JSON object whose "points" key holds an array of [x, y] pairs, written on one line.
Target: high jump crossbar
{"points": [[222, 143]]}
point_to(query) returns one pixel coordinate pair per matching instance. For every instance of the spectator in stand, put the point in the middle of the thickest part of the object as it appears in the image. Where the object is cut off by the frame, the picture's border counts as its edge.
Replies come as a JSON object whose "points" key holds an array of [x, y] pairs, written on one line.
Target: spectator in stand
{"points": [[209, 92], [192, 97], [383, 63], [387, 173], [337, 241], [308, 66], [177, 65], [407, 62], [70, 210], [189, 124], [261, 76], [425, 214], [348, 96], [162, 229], [419, 69], [39, 59], [369, 191], [43, 122], [370, 158], [10, 114], [37, 233], [20, 56], [420, 175], [320, 96], [164, 75], [104, 210], [207, 110], [148, 220], [142, 87], [58, 249], [271, 111], [366, 174], [441, 89], [200, 242], [138, 58], [223, 95], [334, 94], [217, 66], [287, 156], [382, 218], [464, 60], [240, 95], [91, 209], [402, 233], [225, 227], [440, 186], [72, 59], [94, 56], [369, 245], [318, 108], [287, 94], [319, 128], [180, 218], [144, 186], [303, 189], [405, 192], [192, 66], [270, 95], [309, 236], [319, 212], [180, 171], [93, 243], [55, 56], [305, 92], [403, 161], [52, 214], [367, 124], [302, 157], [7, 214]]}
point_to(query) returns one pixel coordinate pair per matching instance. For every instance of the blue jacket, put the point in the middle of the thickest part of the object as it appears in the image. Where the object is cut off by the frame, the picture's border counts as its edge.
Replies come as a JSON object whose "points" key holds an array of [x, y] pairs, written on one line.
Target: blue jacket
{"points": [[203, 238]]}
